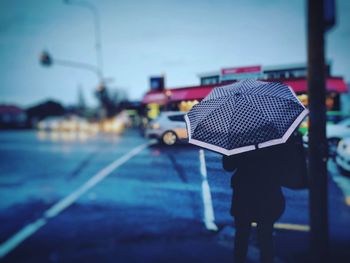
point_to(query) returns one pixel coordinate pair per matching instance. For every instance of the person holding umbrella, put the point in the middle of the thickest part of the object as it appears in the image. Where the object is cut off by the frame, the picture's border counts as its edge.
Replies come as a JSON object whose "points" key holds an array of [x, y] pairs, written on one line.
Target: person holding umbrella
{"points": [[257, 197], [249, 122]]}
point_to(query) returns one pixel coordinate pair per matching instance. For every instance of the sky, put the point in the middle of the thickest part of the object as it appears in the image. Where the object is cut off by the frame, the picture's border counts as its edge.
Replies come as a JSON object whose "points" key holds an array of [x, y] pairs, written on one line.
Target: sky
{"points": [[177, 38]]}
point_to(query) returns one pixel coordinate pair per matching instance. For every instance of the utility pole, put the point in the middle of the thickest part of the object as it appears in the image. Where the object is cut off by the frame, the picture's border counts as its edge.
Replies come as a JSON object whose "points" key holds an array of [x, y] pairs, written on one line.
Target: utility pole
{"points": [[318, 148]]}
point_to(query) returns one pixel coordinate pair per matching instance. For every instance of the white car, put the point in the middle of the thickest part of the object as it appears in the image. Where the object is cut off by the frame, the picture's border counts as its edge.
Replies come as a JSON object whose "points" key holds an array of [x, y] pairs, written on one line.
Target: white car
{"points": [[50, 123], [168, 128], [335, 132], [343, 154]]}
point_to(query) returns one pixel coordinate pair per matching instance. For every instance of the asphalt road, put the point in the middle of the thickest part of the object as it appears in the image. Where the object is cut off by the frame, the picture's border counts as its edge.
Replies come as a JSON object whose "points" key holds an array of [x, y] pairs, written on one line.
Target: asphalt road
{"points": [[66, 198]]}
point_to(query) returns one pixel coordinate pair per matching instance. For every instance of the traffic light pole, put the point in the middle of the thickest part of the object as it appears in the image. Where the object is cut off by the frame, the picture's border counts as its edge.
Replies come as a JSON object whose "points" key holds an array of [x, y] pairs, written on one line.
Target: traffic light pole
{"points": [[47, 60], [318, 152], [79, 65], [97, 27]]}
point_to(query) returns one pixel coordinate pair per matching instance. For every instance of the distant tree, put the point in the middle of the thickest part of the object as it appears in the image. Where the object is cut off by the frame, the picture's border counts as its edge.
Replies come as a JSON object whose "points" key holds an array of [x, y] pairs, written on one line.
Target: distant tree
{"points": [[112, 100], [43, 110], [118, 96], [81, 99]]}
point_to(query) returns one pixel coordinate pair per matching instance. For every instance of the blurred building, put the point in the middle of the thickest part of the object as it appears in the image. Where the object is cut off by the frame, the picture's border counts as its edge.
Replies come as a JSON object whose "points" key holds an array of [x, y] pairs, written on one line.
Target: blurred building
{"points": [[12, 116], [294, 75], [42, 110]]}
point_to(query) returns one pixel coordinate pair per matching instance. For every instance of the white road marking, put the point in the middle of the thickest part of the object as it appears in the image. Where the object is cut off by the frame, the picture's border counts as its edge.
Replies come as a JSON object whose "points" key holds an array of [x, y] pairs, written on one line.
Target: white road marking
{"points": [[57, 208], [20, 236], [209, 218]]}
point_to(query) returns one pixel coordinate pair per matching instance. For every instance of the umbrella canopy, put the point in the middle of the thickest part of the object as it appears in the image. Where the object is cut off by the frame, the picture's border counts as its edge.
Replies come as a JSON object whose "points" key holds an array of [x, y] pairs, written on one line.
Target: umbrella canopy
{"points": [[244, 116]]}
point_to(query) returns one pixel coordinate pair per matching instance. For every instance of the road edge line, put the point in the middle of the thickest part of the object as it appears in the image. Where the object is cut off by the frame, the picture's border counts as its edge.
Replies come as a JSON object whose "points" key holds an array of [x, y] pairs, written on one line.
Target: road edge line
{"points": [[28, 230]]}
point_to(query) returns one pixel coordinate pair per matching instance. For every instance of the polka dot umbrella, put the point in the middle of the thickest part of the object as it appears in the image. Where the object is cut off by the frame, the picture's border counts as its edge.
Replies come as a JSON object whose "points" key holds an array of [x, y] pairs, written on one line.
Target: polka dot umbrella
{"points": [[244, 116]]}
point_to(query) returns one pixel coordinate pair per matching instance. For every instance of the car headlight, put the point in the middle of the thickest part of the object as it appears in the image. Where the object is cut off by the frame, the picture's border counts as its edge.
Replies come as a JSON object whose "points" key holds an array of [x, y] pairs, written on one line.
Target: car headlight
{"points": [[344, 147], [155, 126], [340, 144]]}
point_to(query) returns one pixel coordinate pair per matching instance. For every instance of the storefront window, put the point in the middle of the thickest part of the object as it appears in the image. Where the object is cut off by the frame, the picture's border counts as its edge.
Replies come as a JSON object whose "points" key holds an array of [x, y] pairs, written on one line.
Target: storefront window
{"points": [[304, 99], [209, 80], [331, 103], [179, 117], [153, 110], [187, 105]]}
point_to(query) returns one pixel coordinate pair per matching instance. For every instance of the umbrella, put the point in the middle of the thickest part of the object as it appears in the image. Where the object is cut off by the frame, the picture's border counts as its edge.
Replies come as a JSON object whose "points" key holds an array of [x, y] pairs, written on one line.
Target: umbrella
{"points": [[245, 116]]}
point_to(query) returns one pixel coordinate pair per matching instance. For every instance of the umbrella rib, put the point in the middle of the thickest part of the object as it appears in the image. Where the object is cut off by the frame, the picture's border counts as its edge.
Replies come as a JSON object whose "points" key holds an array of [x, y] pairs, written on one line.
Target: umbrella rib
{"points": [[268, 85], [217, 109], [275, 97], [231, 124], [206, 116], [281, 98], [231, 118], [271, 95], [258, 110], [219, 97]]}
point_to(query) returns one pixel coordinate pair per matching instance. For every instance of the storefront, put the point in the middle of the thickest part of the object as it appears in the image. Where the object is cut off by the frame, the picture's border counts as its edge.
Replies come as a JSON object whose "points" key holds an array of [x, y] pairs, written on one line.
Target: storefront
{"points": [[184, 98]]}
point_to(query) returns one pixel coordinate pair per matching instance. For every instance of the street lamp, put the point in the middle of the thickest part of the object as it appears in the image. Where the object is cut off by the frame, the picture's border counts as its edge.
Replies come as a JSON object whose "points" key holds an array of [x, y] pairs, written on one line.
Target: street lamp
{"points": [[97, 26]]}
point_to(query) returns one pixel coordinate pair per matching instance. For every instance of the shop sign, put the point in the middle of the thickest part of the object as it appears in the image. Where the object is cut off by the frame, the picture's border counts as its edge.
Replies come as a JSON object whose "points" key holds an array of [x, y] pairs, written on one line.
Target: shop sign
{"points": [[157, 83], [228, 74], [241, 70]]}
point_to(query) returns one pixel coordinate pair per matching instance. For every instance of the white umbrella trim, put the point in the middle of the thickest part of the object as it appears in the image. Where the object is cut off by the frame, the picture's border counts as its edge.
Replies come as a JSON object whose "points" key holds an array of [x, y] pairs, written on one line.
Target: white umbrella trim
{"points": [[284, 138]]}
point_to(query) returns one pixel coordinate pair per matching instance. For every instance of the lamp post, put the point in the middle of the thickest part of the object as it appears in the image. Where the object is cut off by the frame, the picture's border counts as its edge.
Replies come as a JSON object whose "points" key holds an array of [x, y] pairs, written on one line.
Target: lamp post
{"points": [[97, 26]]}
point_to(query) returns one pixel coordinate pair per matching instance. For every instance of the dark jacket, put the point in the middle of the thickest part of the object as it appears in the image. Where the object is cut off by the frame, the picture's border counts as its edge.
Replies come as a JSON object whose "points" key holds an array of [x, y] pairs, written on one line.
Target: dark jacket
{"points": [[257, 193]]}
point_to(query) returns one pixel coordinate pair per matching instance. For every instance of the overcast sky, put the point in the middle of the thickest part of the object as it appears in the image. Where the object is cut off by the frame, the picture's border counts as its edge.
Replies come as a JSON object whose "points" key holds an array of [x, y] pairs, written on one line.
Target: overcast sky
{"points": [[140, 38]]}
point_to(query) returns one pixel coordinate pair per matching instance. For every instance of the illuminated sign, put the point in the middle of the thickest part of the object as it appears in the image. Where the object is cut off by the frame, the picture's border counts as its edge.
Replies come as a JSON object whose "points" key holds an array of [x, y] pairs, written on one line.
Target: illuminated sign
{"points": [[228, 74], [157, 83], [241, 70]]}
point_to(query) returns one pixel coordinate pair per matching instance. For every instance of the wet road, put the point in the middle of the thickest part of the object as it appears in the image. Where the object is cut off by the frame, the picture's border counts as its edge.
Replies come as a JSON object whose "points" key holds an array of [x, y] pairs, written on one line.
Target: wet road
{"points": [[69, 198]]}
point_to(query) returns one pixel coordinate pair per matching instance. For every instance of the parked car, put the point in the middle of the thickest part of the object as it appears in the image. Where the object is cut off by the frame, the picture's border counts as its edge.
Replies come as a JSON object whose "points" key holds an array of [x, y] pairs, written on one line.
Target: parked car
{"points": [[343, 154], [168, 128], [334, 117], [334, 133], [67, 124], [50, 123]]}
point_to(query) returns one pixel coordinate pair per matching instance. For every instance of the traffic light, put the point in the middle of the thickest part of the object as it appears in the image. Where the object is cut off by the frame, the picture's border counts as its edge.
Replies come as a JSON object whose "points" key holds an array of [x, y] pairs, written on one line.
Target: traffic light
{"points": [[45, 59], [102, 94]]}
